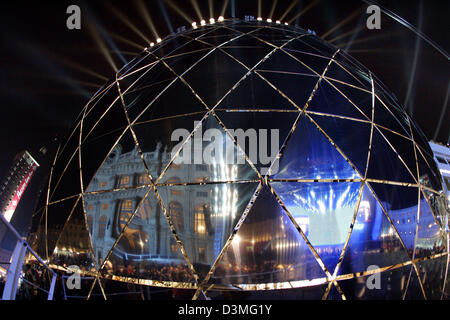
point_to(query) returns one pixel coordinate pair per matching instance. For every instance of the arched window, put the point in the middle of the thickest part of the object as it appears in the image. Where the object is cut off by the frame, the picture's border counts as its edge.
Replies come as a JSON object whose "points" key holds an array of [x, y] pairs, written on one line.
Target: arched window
{"points": [[125, 212], [102, 227], [124, 181], [199, 220], [142, 179], [144, 211], [176, 213]]}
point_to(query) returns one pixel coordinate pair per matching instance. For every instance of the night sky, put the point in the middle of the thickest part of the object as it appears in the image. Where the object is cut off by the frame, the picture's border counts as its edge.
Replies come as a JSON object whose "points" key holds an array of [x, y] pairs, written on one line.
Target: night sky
{"points": [[49, 72]]}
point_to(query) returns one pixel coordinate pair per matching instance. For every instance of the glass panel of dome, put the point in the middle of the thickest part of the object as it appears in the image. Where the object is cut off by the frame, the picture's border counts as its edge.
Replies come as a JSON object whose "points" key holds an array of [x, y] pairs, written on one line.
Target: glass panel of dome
{"points": [[373, 240], [218, 40], [266, 249], [438, 204], [328, 100], [256, 94], [404, 148], [206, 71], [297, 88], [384, 117], [401, 210], [101, 101], [432, 275], [204, 217], [281, 61], [247, 50], [324, 211], [169, 104], [414, 289], [349, 62], [419, 137], [310, 155], [429, 238], [110, 152], [338, 72], [361, 98], [146, 248], [387, 285], [184, 61], [73, 246], [128, 80], [429, 174], [342, 133], [68, 184], [311, 60], [167, 48], [307, 293], [190, 47], [317, 45], [210, 151], [57, 215], [259, 134], [334, 294], [385, 164]]}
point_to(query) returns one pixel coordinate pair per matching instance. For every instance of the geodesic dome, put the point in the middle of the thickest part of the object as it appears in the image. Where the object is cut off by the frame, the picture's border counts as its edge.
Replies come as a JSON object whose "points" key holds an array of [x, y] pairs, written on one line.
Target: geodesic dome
{"points": [[329, 184]]}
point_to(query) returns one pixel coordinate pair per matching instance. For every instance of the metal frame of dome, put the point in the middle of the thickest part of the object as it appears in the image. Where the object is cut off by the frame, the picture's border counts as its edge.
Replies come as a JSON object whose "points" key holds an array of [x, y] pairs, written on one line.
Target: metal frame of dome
{"points": [[338, 72]]}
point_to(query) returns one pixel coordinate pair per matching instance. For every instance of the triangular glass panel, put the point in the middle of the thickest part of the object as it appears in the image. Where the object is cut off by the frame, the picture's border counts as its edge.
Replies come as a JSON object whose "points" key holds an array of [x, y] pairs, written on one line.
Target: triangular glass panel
{"points": [[97, 107], [438, 205], [324, 211], [183, 62], [337, 72], [385, 117], [104, 155], [385, 163], [131, 80], [342, 133], [177, 100], [328, 100], [414, 290], [259, 134], [207, 71], [73, 246], [362, 99], [310, 155], [320, 46], [248, 50], [204, 217], [373, 241], [209, 154], [57, 216], [68, 183], [386, 285], [161, 139], [419, 136], [138, 63], [432, 276], [167, 48], [275, 36], [256, 94], [400, 204], [297, 88], [280, 61], [146, 248], [429, 240], [429, 174], [267, 249], [190, 47], [313, 61], [334, 294]]}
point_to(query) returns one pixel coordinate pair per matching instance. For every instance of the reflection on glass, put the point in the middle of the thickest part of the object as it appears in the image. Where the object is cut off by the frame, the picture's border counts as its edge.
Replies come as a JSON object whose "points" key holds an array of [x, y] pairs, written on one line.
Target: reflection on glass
{"points": [[373, 240], [204, 217], [267, 249], [310, 155], [324, 211]]}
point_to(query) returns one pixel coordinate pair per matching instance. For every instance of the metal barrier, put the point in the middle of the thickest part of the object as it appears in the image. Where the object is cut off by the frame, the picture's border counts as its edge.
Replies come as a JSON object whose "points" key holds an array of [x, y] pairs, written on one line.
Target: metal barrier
{"points": [[24, 275]]}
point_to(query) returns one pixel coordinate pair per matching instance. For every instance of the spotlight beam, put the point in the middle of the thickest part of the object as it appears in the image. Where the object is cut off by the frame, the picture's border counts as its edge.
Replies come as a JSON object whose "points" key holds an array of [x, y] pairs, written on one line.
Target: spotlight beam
{"points": [[348, 33], [259, 8], [126, 21], [127, 41], [444, 109], [409, 26], [350, 17], [211, 8], [147, 18], [298, 15], [178, 10], [412, 77], [274, 4], [287, 10], [224, 7], [163, 10], [101, 44], [81, 68], [197, 9]]}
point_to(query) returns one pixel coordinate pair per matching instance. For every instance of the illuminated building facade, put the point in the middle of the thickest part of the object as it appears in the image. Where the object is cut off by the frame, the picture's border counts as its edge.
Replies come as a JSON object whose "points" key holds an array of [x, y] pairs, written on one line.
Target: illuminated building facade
{"points": [[352, 188]]}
